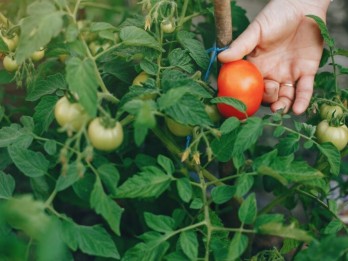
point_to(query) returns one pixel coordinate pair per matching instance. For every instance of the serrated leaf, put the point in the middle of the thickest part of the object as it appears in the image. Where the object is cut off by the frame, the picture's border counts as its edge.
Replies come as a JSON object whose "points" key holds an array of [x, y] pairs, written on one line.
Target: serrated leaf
{"points": [[237, 246], [289, 144], [159, 223], [189, 110], [189, 244], [237, 104], [85, 85], [150, 251], [181, 59], [229, 125], [7, 185], [44, 113], [332, 155], [101, 26], [110, 176], [146, 184], [195, 48], [106, 207], [278, 229], [9, 135], [72, 175], [45, 86], [166, 163], [184, 188], [248, 135], [91, 240], [248, 210], [43, 23], [30, 163], [323, 29], [134, 36], [222, 194], [222, 147]]}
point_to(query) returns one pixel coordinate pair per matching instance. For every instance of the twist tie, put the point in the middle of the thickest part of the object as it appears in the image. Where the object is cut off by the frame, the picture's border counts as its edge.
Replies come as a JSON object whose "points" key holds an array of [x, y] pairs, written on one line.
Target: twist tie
{"points": [[214, 52]]}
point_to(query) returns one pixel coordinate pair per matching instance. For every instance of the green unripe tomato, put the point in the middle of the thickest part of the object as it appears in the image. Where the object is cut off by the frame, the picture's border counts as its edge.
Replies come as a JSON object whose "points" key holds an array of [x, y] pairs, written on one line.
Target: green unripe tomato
{"points": [[338, 136], [213, 112], [140, 78], [105, 138], [177, 128], [38, 55], [327, 112], [69, 115], [10, 64], [168, 26]]}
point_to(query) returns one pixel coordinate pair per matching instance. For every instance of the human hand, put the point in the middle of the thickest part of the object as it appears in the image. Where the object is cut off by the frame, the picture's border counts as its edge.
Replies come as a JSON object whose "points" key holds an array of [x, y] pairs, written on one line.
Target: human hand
{"points": [[286, 46]]}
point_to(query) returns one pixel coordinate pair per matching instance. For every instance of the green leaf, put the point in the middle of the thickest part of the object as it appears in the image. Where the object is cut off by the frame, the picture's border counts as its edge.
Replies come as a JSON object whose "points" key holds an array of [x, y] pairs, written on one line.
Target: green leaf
{"points": [[243, 184], [7, 185], [189, 244], [172, 79], [110, 176], [248, 135], [72, 175], [101, 26], [289, 144], [195, 48], [85, 85], [9, 135], [6, 77], [332, 155], [91, 240], [106, 207], [189, 110], [45, 86], [50, 147], [331, 248], [44, 113], [145, 119], [184, 188], [229, 125], [222, 194], [237, 246], [30, 163], [166, 163], [151, 251], [3, 45], [222, 147], [278, 229], [151, 182], [323, 29], [134, 36], [181, 59], [159, 223], [333, 227], [197, 203], [43, 23], [248, 210], [237, 104]]}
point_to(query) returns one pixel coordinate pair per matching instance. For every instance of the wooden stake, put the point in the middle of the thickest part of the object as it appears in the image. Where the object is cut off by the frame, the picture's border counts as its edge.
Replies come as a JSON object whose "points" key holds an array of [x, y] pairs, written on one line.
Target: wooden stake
{"points": [[223, 22]]}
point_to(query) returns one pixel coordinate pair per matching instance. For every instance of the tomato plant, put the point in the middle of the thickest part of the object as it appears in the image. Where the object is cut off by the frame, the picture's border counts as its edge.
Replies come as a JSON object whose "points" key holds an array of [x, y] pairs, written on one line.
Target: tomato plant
{"points": [[98, 163], [243, 81], [337, 135]]}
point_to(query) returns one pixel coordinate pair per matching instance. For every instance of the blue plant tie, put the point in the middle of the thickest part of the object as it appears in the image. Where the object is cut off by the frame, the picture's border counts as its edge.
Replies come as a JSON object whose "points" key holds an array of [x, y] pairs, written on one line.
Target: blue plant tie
{"points": [[215, 51], [188, 140]]}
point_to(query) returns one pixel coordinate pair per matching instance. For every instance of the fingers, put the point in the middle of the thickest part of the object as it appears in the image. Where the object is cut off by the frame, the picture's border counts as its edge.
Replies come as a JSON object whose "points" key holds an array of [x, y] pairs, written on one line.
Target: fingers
{"points": [[271, 91], [304, 91], [285, 99], [298, 96], [241, 46]]}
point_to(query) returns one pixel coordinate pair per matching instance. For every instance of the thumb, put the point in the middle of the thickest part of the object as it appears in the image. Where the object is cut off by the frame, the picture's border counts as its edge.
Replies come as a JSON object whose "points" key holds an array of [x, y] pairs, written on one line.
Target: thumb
{"points": [[243, 45]]}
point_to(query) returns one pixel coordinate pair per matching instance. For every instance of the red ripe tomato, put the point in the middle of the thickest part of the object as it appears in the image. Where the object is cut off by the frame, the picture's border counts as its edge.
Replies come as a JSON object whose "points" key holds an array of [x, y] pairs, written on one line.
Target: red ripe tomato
{"points": [[243, 81]]}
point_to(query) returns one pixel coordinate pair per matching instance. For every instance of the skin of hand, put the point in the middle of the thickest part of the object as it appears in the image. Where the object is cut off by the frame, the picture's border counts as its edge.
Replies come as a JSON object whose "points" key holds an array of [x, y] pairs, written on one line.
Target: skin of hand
{"points": [[286, 46]]}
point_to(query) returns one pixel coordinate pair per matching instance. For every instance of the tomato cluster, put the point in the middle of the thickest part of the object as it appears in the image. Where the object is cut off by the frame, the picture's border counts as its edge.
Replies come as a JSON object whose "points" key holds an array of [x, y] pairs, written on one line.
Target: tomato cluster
{"points": [[104, 135], [243, 81]]}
